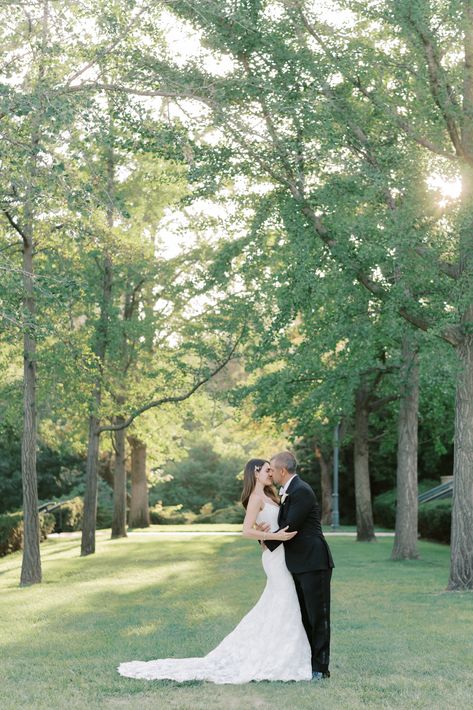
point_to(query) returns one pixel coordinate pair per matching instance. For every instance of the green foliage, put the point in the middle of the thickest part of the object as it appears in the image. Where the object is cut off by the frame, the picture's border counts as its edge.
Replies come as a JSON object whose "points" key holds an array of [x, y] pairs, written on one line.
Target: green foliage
{"points": [[11, 533], [11, 530], [69, 516], [104, 516], [231, 514], [435, 520], [434, 517], [203, 476], [169, 515]]}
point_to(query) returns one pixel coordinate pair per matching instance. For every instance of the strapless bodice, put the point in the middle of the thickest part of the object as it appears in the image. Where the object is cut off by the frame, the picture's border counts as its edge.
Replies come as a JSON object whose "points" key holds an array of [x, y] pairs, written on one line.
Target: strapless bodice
{"points": [[269, 514]]}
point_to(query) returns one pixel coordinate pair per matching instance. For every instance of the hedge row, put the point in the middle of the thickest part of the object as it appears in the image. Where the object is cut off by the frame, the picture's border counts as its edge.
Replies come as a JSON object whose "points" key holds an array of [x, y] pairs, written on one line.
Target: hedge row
{"points": [[11, 530], [435, 517], [173, 515], [69, 516], [232, 514]]}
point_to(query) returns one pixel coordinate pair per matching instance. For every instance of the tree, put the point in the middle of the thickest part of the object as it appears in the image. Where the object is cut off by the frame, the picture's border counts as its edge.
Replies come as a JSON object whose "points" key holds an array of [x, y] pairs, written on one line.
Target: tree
{"points": [[368, 100]]}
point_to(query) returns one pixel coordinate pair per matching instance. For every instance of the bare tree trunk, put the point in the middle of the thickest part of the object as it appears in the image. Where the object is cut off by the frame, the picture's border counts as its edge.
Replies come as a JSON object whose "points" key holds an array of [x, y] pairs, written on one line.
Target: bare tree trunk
{"points": [[461, 553], [102, 335], [461, 549], [31, 563], [364, 509], [405, 538], [139, 506], [325, 487], [119, 484], [90, 494]]}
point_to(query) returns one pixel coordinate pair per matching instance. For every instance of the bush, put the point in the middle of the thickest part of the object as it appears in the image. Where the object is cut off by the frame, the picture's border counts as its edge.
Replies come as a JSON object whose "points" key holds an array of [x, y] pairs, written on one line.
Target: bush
{"points": [[435, 517], [169, 515], [384, 505], [204, 475], [384, 509], [104, 516], [232, 514], [47, 523], [435, 520], [69, 516], [11, 530]]}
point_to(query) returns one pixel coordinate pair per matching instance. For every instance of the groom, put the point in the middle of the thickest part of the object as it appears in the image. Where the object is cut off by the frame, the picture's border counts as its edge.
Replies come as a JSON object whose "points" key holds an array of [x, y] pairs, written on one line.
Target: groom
{"points": [[308, 557]]}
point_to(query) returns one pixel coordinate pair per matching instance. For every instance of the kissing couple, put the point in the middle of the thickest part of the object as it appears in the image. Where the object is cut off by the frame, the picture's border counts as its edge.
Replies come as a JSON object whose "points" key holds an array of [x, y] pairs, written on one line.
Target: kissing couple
{"points": [[286, 635]]}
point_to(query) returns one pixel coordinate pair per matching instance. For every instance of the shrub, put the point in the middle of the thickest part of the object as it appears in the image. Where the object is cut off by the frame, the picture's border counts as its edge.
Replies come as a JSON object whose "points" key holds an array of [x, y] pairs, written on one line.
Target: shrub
{"points": [[104, 516], [11, 530], [435, 520], [47, 523], [231, 514], [69, 516], [384, 505], [204, 475], [169, 515], [384, 509]]}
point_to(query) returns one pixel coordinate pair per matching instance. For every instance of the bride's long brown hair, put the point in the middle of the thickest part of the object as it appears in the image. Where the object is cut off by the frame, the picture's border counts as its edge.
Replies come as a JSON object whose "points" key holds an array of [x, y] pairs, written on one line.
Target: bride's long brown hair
{"points": [[249, 481]]}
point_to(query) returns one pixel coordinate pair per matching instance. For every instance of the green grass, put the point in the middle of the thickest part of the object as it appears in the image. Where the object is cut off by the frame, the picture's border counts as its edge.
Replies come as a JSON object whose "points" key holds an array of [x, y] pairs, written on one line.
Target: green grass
{"points": [[399, 640]]}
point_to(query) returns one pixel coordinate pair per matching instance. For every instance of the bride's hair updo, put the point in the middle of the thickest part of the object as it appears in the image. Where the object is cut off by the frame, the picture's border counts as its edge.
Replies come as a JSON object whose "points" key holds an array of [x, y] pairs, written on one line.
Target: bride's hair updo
{"points": [[249, 481]]}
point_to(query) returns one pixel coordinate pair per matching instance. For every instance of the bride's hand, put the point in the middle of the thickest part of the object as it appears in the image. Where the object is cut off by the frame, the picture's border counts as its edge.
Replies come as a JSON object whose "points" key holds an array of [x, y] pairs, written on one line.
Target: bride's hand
{"points": [[284, 535]]}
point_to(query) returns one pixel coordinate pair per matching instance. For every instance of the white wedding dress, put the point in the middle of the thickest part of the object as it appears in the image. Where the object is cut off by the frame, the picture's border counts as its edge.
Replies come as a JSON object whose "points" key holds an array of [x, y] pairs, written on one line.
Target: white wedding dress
{"points": [[269, 643]]}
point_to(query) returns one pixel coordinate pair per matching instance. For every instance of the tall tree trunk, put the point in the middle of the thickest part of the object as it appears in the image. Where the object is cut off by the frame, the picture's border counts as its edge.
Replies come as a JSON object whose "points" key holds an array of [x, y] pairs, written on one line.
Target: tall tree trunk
{"points": [[364, 509], [90, 494], [405, 538], [91, 473], [325, 486], [461, 549], [31, 563], [119, 484], [461, 553], [139, 506], [100, 347]]}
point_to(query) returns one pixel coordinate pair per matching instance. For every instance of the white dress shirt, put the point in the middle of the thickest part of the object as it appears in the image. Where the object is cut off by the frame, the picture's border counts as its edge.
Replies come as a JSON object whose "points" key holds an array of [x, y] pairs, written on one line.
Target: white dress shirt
{"points": [[284, 488]]}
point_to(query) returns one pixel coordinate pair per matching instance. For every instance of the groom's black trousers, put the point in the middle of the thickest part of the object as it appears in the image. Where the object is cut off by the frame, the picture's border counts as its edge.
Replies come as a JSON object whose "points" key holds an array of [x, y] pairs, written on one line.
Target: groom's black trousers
{"points": [[313, 590]]}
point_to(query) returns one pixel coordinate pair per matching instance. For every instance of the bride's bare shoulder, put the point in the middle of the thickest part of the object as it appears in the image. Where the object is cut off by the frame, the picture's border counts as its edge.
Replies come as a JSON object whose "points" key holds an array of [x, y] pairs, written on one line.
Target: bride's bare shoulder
{"points": [[256, 500]]}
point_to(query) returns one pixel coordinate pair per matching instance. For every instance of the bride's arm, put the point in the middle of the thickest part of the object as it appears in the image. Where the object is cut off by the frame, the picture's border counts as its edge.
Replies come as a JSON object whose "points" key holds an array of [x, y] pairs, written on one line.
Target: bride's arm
{"points": [[254, 507]]}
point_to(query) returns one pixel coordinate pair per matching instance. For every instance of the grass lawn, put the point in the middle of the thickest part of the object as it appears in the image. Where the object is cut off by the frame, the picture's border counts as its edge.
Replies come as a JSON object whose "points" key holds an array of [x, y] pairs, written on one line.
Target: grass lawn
{"points": [[399, 640]]}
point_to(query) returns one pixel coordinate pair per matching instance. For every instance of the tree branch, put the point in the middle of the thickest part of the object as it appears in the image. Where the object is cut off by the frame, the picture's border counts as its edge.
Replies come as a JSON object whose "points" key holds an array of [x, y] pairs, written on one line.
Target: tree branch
{"points": [[107, 50], [15, 226], [372, 96], [442, 92], [378, 404], [165, 93], [173, 399], [451, 270]]}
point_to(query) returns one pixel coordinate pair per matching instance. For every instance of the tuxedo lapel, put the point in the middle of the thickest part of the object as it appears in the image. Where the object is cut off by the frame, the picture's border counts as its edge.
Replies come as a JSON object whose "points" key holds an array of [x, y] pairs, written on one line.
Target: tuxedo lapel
{"points": [[284, 506], [292, 484]]}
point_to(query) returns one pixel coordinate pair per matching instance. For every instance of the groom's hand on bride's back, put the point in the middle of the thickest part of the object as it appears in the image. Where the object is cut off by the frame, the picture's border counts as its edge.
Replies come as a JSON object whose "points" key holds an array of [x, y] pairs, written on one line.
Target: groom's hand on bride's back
{"points": [[284, 534], [263, 527]]}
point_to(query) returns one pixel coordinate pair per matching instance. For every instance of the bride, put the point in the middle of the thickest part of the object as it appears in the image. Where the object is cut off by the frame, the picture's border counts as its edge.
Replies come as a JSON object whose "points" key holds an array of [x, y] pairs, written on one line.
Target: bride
{"points": [[270, 642]]}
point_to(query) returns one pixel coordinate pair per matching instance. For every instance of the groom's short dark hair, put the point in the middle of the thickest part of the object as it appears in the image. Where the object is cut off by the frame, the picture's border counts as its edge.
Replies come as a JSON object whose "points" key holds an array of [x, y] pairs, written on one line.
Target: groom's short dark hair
{"points": [[285, 460]]}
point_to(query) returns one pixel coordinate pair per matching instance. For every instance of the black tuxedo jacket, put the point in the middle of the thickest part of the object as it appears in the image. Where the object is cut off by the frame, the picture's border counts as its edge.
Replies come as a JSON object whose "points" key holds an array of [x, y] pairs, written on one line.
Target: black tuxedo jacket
{"points": [[308, 550]]}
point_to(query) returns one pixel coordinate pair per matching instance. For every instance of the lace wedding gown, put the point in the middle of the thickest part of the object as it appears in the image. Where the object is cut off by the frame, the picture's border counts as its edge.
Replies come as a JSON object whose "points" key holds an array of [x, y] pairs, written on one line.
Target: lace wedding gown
{"points": [[269, 643]]}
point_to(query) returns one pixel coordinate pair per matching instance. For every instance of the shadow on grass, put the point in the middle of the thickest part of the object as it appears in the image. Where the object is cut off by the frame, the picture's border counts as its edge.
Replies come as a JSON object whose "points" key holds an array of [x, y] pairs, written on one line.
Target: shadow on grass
{"points": [[177, 603]]}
